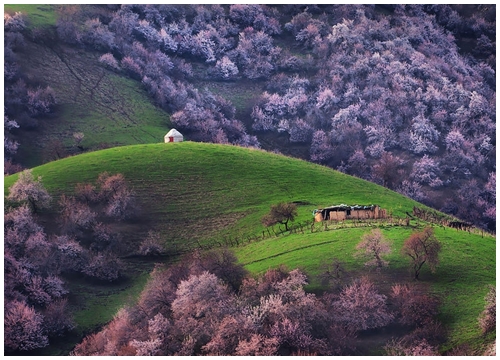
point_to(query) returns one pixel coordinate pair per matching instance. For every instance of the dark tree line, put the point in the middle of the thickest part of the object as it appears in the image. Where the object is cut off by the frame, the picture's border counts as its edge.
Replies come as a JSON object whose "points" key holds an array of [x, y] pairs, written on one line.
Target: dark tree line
{"points": [[26, 102]]}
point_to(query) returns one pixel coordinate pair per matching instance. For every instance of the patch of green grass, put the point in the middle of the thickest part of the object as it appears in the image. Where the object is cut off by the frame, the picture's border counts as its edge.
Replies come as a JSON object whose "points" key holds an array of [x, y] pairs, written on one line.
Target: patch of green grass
{"points": [[109, 108], [242, 94], [310, 250], [101, 303], [467, 266], [38, 15], [196, 192]]}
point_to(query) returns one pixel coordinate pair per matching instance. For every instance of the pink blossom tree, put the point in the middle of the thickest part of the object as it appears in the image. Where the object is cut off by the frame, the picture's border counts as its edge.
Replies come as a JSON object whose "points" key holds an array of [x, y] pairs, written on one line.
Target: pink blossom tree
{"points": [[30, 190], [57, 320], [109, 60], [426, 171], [104, 267], [361, 307], [374, 246], [201, 301], [75, 215], [257, 345], [23, 328], [413, 306], [226, 69]]}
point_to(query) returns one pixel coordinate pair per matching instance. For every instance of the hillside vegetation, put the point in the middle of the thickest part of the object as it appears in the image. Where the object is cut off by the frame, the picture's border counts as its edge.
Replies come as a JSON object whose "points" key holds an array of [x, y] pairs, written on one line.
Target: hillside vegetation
{"points": [[466, 267], [109, 109], [399, 99], [392, 94], [193, 191], [197, 194]]}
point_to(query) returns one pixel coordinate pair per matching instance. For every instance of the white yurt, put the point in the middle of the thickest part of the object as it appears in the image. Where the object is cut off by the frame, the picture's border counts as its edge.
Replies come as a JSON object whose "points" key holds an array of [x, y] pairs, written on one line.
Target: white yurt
{"points": [[173, 136]]}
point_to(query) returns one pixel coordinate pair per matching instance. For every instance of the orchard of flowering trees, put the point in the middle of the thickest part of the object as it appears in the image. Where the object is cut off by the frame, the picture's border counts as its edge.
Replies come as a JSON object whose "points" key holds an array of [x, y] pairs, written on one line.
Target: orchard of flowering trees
{"points": [[83, 243], [387, 93], [26, 101], [383, 94], [194, 308]]}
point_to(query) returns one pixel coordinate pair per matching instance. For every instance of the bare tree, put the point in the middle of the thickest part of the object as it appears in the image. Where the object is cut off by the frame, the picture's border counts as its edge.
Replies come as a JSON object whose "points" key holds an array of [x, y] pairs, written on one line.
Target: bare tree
{"points": [[373, 246], [387, 170], [422, 247], [333, 272], [281, 213]]}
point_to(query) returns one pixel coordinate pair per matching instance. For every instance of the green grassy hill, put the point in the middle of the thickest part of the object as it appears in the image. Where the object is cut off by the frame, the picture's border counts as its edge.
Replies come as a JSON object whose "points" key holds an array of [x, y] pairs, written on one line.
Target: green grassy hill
{"points": [[195, 193]]}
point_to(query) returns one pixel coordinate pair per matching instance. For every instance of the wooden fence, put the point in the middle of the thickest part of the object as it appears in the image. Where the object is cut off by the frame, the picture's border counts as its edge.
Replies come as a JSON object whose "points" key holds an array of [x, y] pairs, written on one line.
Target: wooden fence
{"points": [[302, 228], [327, 225]]}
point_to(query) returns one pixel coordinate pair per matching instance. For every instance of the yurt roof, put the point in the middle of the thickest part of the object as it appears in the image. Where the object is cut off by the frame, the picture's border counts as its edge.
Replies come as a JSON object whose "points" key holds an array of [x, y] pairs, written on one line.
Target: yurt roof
{"points": [[173, 133]]}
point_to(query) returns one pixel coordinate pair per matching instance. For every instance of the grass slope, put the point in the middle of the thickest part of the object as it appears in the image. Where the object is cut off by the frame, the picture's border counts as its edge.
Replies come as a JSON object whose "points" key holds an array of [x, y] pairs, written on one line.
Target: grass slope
{"points": [[37, 14], [195, 192], [203, 191], [467, 266], [109, 108]]}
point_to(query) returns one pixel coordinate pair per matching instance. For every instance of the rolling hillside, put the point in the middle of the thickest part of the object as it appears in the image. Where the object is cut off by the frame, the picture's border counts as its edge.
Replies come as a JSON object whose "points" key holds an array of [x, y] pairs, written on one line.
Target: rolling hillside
{"points": [[203, 191], [197, 193]]}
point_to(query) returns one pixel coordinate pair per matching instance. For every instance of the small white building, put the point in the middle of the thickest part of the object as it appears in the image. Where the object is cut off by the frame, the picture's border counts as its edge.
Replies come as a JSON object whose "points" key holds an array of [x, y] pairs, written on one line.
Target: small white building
{"points": [[173, 136]]}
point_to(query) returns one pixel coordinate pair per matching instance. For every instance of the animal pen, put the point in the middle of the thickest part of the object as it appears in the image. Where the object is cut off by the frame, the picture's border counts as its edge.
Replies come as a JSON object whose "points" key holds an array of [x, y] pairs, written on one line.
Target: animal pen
{"points": [[347, 212]]}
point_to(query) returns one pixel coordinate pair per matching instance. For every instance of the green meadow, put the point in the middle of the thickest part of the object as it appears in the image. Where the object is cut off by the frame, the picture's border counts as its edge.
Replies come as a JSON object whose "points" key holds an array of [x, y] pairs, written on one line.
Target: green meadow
{"points": [[38, 15], [195, 193], [467, 266]]}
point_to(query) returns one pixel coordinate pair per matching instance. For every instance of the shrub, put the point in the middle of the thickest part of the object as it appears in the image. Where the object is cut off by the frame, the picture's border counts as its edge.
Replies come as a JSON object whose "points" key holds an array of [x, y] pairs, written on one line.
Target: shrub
{"points": [[151, 245], [109, 60], [104, 267], [41, 101]]}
